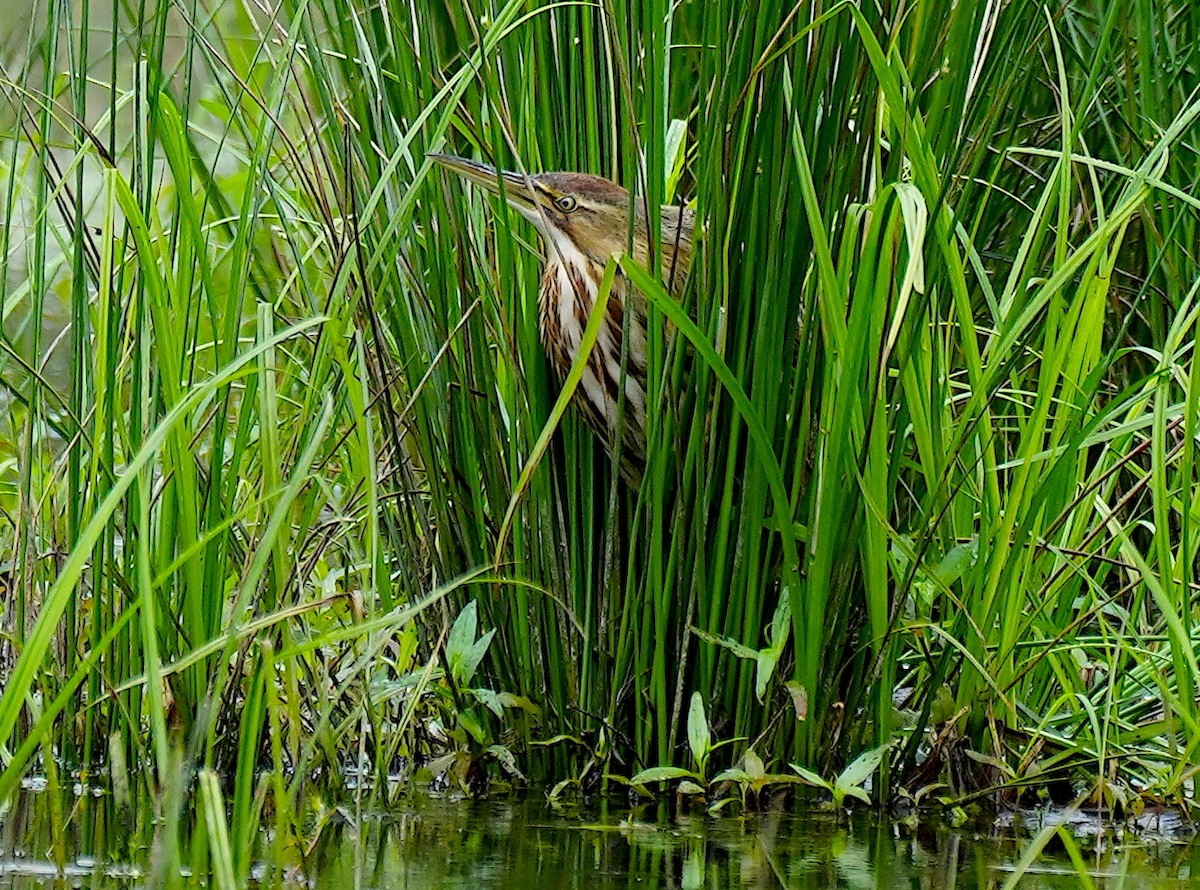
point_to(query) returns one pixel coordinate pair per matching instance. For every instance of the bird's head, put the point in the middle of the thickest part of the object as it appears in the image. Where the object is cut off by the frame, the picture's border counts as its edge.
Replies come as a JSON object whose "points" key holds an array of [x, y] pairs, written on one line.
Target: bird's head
{"points": [[587, 213]]}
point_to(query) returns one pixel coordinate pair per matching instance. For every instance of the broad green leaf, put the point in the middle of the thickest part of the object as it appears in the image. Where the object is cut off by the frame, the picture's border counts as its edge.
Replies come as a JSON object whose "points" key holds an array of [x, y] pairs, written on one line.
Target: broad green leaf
{"points": [[781, 621], [766, 661], [662, 774], [780, 630], [491, 700], [468, 721], [473, 656], [519, 701], [862, 767], [697, 727], [674, 153], [462, 635], [562, 737], [739, 649], [855, 792], [753, 765], [956, 561], [811, 778]]}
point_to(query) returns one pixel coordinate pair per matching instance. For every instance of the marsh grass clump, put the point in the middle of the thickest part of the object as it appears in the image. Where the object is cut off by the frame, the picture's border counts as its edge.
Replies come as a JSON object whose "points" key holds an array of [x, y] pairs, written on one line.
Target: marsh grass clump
{"points": [[920, 424]]}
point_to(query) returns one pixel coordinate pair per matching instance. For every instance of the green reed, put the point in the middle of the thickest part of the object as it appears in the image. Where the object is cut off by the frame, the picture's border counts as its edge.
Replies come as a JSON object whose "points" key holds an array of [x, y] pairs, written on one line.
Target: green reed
{"points": [[931, 385]]}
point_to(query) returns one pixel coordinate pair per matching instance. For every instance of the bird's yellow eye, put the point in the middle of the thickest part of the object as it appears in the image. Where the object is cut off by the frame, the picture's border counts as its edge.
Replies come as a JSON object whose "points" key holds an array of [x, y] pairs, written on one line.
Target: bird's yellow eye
{"points": [[566, 203]]}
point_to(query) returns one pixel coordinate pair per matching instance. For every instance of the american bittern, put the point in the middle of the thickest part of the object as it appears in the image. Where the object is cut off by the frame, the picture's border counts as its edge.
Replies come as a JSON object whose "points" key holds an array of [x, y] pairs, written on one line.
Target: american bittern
{"points": [[583, 220]]}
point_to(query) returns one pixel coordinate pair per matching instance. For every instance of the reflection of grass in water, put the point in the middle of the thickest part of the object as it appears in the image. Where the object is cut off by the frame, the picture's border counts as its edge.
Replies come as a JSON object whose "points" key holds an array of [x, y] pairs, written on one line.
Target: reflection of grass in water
{"points": [[305, 376], [445, 843]]}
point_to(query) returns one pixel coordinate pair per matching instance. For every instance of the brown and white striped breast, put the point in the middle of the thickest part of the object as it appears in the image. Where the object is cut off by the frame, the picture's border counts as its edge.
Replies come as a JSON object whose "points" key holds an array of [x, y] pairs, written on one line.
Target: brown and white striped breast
{"points": [[569, 289]]}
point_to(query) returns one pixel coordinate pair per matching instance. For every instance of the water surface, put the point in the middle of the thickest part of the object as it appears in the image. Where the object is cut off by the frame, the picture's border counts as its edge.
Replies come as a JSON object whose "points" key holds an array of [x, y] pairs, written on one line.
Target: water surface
{"points": [[440, 842]]}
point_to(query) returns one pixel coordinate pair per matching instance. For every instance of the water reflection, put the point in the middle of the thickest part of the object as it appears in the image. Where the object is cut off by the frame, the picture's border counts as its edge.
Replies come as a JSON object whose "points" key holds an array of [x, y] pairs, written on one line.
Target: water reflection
{"points": [[444, 843]]}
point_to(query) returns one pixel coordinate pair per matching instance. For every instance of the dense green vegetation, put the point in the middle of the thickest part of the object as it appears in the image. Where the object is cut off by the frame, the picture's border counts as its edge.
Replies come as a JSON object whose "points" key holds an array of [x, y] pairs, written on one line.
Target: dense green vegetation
{"points": [[276, 495]]}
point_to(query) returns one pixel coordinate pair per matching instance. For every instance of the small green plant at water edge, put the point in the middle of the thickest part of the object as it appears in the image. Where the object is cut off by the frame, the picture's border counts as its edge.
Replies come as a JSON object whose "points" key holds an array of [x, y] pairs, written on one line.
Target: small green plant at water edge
{"points": [[749, 777], [468, 719], [767, 658], [851, 781]]}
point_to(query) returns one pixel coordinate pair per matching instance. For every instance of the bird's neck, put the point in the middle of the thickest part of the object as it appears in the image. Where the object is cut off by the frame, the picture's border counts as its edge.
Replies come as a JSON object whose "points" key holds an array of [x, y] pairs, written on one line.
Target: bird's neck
{"points": [[569, 289]]}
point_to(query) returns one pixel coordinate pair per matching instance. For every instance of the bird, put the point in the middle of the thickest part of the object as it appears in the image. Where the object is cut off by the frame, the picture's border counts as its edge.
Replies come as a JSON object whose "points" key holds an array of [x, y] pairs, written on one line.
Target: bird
{"points": [[583, 220]]}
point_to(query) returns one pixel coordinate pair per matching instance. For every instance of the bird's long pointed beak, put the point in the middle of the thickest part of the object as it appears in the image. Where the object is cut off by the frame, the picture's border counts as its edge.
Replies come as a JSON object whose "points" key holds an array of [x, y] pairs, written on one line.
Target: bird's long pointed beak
{"points": [[515, 190]]}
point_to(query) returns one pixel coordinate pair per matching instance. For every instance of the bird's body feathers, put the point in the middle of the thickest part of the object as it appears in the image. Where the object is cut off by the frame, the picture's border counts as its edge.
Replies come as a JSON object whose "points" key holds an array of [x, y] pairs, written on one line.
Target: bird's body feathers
{"points": [[584, 220]]}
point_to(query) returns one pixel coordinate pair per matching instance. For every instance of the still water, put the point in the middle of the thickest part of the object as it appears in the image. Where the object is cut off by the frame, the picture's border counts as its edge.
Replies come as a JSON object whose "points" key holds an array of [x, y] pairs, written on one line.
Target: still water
{"points": [[433, 842]]}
